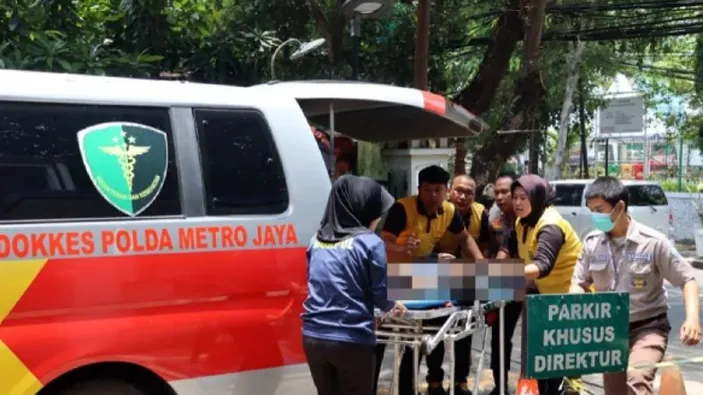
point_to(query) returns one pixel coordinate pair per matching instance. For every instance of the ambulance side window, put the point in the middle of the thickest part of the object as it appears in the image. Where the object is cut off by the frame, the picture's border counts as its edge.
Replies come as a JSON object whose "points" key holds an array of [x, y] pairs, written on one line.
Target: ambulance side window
{"points": [[45, 177], [242, 171]]}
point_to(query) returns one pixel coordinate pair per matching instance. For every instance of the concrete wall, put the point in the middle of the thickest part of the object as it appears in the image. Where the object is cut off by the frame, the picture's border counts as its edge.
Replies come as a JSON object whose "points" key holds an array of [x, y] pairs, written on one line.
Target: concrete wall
{"points": [[685, 207]]}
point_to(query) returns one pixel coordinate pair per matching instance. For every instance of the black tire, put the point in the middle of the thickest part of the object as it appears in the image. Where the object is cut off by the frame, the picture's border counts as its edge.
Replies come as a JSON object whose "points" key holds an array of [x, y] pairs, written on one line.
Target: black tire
{"points": [[102, 387]]}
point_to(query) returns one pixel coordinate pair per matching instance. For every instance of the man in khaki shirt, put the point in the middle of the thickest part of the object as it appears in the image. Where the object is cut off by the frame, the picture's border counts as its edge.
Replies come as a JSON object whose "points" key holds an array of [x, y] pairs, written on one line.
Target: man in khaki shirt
{"points": [[626, 256]]}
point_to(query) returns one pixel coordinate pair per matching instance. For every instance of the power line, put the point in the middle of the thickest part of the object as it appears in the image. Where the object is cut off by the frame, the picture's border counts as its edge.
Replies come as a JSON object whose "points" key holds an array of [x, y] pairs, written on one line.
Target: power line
{"points": [[611, 35], [668, 75], [662, 69], [648, 5], [651, 25], [589, 8]]}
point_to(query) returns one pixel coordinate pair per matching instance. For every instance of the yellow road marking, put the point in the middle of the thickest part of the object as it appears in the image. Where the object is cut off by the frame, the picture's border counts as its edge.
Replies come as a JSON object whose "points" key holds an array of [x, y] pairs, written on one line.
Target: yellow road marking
{"points": [[15, 278]]}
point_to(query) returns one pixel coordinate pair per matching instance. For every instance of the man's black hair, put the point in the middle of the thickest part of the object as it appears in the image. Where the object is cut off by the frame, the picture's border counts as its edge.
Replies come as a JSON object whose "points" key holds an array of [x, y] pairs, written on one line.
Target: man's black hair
{"points": [[508, 174], [609, 189], [433, 175]]}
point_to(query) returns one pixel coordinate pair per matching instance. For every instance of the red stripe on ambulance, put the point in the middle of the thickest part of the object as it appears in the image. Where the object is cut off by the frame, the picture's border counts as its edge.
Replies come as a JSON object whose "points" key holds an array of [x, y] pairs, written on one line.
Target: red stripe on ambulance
{"points": [[183, 315]]}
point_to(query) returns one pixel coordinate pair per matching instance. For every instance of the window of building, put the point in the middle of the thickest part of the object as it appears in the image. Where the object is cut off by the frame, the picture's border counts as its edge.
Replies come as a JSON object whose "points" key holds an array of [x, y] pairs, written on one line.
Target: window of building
{"points": [[45, 177], [241, 167], [634, 152], [600, 150]]}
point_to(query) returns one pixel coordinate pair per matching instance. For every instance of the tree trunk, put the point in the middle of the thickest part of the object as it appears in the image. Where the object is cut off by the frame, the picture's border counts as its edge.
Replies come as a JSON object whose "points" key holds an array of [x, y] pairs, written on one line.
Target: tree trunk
{"points": [[331, 28], [529, 91], [422, 44], [422, 47], [572, 64], [477, 97]]}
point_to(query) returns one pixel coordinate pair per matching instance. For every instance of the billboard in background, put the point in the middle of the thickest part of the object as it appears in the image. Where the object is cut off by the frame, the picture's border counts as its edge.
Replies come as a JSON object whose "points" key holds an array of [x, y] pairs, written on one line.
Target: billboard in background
{"points": [[623, 115]]}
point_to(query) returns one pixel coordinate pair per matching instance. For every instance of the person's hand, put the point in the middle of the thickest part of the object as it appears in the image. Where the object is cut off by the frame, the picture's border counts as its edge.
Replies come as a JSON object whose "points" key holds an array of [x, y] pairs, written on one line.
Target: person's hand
{"points": [[411, 243], [444, 257], [448, 304], [398, 310], [379, 321], [691, 332]]}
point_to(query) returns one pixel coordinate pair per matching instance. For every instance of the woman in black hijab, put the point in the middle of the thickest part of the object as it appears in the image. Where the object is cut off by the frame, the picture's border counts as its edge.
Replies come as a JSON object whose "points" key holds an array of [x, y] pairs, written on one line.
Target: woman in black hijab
{"points": [[547, 244], [346, 280]]}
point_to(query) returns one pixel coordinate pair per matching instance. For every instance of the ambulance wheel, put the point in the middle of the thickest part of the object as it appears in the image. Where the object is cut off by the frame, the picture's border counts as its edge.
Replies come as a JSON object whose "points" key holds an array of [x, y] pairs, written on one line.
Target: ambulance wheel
{"points": [[102, 387]]}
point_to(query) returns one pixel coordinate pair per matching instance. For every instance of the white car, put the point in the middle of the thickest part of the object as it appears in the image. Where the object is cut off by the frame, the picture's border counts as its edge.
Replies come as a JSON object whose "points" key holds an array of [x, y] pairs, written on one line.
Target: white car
{"points": [[648, 205]]}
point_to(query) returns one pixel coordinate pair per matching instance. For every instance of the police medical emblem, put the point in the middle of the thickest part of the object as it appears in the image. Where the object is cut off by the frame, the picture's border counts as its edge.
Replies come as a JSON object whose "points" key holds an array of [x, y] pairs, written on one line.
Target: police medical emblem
{"points": [[127, 163]]}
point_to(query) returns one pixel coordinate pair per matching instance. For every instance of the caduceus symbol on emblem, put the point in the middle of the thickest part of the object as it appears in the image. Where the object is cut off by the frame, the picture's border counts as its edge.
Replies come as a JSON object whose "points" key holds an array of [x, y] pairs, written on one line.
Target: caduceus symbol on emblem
{"points": [[126, 154]]}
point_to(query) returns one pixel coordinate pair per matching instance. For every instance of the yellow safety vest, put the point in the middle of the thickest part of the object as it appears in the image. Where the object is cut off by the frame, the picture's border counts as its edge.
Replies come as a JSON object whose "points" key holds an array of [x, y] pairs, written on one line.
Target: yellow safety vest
{"points": [[474, 228], [448, 242], [428, 234], [559, 280]]}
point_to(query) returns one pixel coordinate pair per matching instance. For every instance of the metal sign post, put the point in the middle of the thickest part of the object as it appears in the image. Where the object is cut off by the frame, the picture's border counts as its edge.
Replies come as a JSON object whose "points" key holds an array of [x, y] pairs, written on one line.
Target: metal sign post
{"points": [[333, 157]]}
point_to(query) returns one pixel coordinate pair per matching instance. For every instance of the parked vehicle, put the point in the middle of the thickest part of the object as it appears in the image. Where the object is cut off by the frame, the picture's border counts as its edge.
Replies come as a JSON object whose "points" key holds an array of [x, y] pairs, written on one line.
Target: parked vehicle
{"points": [[153, 233], [648, 205]]}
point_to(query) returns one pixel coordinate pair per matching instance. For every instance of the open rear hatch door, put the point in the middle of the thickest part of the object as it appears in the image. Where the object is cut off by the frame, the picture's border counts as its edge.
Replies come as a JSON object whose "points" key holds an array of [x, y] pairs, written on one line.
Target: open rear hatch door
{"points": [[379, 113]]}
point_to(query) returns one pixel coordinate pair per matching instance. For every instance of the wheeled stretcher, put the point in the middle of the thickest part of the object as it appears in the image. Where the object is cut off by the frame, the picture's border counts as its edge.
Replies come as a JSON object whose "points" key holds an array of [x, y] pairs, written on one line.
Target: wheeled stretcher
{"points": [[411, 331]]}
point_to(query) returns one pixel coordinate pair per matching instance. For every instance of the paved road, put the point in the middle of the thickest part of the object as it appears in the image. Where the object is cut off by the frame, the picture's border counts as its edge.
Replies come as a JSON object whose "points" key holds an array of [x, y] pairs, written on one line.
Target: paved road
{"points": [[693, 374]]}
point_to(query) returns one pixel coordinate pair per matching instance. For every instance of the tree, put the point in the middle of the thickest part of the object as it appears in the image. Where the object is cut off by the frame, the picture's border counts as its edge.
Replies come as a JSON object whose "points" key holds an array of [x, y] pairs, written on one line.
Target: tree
{"points": [[422, 45], [698, 73], [527, 97], [479, 94], [68, 37], [472, 56], [573, 61]]}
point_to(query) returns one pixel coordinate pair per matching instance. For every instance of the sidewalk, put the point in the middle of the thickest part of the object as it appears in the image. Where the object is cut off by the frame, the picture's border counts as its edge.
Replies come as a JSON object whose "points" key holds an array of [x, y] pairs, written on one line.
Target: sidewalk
{"points": [[594, 384]]}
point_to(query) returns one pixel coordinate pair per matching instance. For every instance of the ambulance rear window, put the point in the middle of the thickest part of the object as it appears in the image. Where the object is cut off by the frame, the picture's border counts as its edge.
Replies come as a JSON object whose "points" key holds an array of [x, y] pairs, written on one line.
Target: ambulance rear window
{"points": [[242, 170]]}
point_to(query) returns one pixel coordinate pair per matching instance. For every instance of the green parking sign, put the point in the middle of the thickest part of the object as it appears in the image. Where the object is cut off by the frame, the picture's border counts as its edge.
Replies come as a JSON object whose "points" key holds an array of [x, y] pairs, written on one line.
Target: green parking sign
{"points": [[573, 335]]}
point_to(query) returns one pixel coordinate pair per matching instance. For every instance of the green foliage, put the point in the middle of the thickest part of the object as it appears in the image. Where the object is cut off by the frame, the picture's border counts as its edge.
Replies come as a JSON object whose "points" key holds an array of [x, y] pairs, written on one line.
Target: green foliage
{"points": [[698, 72], [67, 38], [672, 185], [231, 42], [141, 38]]}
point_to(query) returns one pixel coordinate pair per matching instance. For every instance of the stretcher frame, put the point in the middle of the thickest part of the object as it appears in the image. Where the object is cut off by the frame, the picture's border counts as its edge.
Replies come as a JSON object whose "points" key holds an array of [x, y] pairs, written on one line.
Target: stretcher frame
{"points": [[409, 331]]}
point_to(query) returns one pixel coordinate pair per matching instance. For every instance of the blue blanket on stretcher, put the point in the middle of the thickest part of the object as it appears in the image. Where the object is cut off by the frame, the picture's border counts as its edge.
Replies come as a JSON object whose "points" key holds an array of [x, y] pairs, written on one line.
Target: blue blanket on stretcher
{"points": [[426, 304]]}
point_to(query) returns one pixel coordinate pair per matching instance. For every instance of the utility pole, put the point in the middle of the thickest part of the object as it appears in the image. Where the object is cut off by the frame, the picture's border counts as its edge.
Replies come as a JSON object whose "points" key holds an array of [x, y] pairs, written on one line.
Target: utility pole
{"points": [[680, 162], [582, 123], [607, 155]]}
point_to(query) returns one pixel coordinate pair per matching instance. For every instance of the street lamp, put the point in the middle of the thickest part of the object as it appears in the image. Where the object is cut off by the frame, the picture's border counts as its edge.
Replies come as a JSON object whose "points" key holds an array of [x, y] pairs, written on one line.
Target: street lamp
{"points": [[366, 8], [303, 49], [354, 11]]}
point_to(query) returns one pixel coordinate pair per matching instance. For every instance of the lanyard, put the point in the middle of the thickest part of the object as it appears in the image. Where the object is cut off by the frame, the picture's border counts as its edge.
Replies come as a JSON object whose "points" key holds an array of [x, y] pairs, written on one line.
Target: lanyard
{"points": [[616, 278]]}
